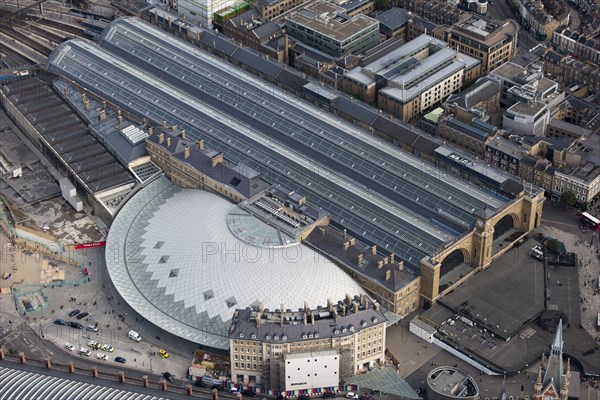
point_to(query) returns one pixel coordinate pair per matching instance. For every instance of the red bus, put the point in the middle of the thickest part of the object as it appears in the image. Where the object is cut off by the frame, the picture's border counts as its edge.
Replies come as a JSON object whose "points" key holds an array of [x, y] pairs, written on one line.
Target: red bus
{"points": [[590, 221]]}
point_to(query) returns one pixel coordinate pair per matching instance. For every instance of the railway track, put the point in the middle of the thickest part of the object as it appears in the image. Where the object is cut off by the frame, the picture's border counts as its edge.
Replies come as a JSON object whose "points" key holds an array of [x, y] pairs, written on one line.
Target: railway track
{"points": [[63, 27], [32, 26], [26, 40], [7, 50]]}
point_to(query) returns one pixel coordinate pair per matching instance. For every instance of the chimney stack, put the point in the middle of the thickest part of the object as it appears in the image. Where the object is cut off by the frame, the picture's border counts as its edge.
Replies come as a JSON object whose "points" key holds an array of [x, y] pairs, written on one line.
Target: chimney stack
{"points": [[87, 105], [322, 231], [385, 260], [161, 138], [102, 115], [329, 304], [388, 274], [348, 298], [355, 307], [150, 130], [312, 317], [392, 256], [344, 233], [374, 249], [281, 313], [346, 245], [168, 141], [164, 124], [174, 127], [104, 104], [400, 265], [379, 264], [183, 134], [120, 119], [186, 152], [335, 314], [304, 319], [201, 144], [360, 258], [344, 310]]}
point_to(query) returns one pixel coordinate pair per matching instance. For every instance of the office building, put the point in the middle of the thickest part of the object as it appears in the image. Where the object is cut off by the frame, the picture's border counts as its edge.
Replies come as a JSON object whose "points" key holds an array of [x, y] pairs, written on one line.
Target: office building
{"points": [[412, 78], [491, 42], [328, 28]]}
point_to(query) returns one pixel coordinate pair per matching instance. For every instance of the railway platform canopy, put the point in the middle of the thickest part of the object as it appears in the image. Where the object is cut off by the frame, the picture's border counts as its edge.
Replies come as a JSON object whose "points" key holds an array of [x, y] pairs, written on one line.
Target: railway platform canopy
{"points": [[390, 198]]}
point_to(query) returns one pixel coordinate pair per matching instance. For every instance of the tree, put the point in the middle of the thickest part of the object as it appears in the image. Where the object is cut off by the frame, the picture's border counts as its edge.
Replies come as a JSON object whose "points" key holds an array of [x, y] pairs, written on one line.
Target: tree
{"points": [[568, 198], [382, 4], [554, 245]]}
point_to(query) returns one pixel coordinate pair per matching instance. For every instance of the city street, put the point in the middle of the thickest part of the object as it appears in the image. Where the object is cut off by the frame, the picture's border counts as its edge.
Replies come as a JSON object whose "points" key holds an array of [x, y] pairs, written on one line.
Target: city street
{"points": [[500, 10]]}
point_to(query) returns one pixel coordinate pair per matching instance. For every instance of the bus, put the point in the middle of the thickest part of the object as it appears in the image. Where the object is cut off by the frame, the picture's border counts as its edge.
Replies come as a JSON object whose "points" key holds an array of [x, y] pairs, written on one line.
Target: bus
{"points": [[590, 221]]}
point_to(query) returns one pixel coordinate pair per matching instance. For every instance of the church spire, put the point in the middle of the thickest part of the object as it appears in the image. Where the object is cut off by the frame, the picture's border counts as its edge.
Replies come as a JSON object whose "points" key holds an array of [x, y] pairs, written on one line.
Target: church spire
{"points": [[557, 345], [554, 367], [538, 383]]}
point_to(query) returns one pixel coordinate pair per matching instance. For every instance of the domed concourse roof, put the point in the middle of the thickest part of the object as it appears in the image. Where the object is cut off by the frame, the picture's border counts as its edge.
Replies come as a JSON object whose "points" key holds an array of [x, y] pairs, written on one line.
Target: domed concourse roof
{"points": [[172, 256]]}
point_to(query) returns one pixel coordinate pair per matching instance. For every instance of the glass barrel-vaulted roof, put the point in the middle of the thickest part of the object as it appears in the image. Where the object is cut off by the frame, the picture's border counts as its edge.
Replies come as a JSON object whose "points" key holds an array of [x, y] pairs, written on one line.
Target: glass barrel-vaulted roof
{"points": [[172, 256], [389, 197]]}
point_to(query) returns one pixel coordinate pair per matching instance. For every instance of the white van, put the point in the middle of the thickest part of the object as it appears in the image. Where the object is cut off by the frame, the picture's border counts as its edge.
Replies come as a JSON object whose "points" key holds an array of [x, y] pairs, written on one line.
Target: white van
{"points": [[133, 335]]}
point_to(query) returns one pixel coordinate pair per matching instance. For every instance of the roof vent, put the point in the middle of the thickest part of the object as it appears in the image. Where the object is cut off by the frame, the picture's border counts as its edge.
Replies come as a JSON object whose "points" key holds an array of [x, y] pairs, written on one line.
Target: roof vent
{"points": [[316, 335], [268, 337], [284, 338], [337, 331], [304, 336], [253, 336], [276, 337], [241, 335], [363, 323], [374, 320], [344, 330]]}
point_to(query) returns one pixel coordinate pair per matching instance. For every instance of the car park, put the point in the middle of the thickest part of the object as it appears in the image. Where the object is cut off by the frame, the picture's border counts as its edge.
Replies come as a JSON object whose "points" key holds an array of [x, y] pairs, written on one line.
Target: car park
{"points": [[85, 352], [60, 322], [120, 360], [351, 395], [93, 344], [248, 393], [101, 356], [82, 315], [163, 353], [168, 376], [75, 325], [74, 313], [106, 347], [69, 346], [92, 327]]}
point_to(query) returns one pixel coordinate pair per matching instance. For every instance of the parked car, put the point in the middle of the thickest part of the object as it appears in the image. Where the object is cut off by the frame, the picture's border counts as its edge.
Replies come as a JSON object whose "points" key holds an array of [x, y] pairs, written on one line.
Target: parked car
{"points": [[75, 325], [233, 389], [74, 313], [218, 387], [92, 327], [366, 396], [351, 395], [302, 398], [133, 335], [101, 356], [7, 275], [248, 393], [329, 395], [69, 346], [120, 360], [60, 322], [93, 344], [82, 315], [200, 384], [163, 353], [108, 348], [168, 376], [85, 352]]}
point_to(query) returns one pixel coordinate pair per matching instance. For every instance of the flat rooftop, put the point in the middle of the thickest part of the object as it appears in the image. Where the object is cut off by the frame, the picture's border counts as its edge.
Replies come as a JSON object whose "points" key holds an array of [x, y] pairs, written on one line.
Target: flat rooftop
{"points": [[532, 109], [331, 20], [487, 30]]}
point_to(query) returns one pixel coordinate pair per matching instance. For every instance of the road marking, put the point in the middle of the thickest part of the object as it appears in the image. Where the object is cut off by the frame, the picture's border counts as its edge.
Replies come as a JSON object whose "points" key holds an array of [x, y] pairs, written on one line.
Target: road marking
{"points": [[558, 223]]}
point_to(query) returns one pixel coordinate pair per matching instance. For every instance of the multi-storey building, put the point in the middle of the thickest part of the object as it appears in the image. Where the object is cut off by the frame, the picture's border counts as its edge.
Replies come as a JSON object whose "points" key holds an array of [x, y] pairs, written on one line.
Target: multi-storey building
{"points": [[393, 23], [568, 71], [413, 77], [190, 165], [199, 11], [491, 42], [271, 9], [384, 277], [541, 16], [480, 100], [327, 27], [355, 7], [471, 137], [265, 344], [505, 154], [572, 42], [527, 119]]}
